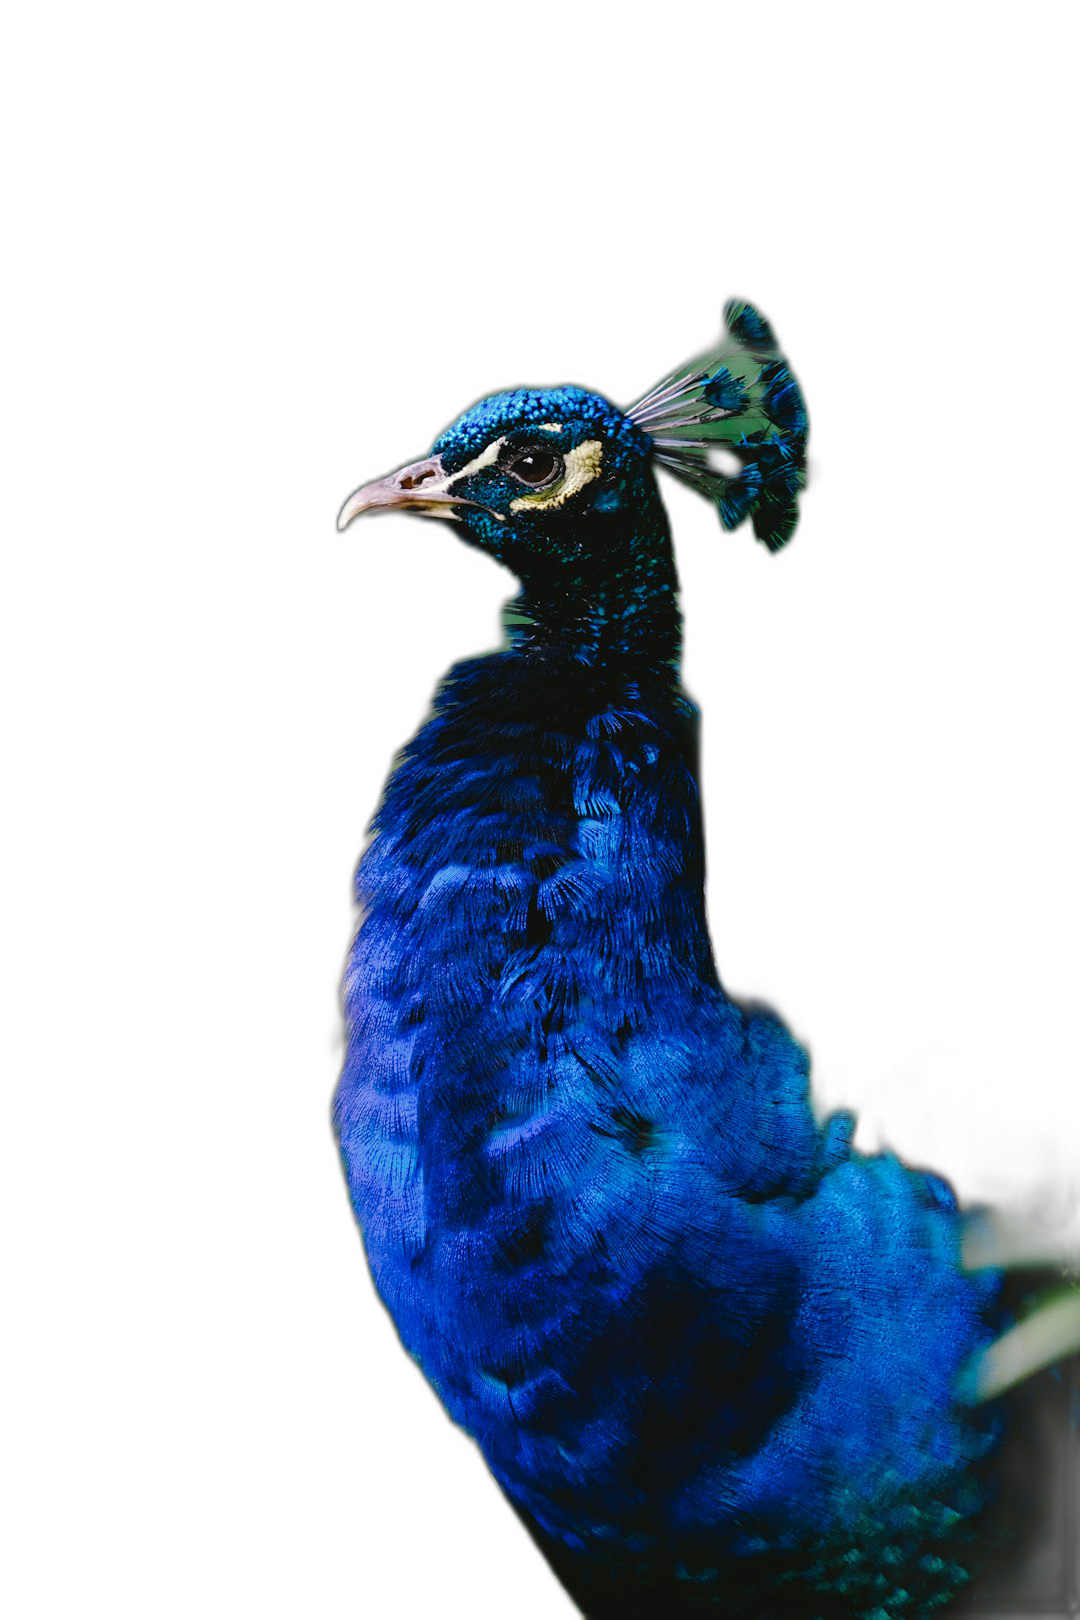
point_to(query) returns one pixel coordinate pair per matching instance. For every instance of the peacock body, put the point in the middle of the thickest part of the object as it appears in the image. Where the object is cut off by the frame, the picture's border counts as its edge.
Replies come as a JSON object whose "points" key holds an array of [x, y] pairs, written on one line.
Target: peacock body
{"points": [[714, 1356]]}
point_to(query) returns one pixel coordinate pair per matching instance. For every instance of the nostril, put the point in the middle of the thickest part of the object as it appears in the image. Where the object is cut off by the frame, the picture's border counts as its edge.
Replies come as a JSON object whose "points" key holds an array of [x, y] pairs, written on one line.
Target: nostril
{"points": [[413, 480]]}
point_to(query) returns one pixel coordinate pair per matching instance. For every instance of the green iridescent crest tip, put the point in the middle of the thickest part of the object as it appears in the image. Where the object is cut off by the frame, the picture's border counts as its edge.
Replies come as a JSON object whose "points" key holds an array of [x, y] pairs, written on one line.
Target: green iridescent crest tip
{"points": [[732, 423]]}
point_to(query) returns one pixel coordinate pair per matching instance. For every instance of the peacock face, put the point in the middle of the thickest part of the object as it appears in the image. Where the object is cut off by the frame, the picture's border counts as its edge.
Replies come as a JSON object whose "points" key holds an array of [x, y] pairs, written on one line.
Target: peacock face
{"points": [[523, 472], [540, 476]]}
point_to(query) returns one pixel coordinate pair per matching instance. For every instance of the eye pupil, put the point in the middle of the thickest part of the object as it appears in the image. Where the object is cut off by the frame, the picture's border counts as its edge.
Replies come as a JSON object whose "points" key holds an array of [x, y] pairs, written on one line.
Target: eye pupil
{"points": [[535, 468]]}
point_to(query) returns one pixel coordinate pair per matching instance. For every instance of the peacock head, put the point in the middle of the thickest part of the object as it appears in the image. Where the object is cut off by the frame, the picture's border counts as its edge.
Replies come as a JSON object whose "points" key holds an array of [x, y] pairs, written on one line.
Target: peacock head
{"points": [[530, 475], [545, 477]]}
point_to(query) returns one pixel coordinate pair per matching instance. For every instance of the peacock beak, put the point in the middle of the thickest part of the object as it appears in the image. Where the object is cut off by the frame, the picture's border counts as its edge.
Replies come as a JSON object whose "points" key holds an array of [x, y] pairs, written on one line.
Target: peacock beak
{"points": [[419, 487]]}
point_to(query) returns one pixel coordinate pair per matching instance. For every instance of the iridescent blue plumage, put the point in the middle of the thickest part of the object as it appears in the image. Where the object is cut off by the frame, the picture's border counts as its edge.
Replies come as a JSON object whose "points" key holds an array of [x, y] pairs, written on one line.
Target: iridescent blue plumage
{"points": [[709, 1351]]}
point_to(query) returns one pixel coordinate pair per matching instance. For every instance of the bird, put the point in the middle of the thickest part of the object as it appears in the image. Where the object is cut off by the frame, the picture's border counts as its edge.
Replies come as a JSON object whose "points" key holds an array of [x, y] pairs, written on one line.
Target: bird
{"points": [[718, 1359]]}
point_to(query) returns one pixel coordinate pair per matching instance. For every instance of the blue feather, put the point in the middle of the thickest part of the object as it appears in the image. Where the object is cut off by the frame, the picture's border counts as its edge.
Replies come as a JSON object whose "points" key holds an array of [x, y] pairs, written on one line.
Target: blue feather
{"points": [[710, 1352]]}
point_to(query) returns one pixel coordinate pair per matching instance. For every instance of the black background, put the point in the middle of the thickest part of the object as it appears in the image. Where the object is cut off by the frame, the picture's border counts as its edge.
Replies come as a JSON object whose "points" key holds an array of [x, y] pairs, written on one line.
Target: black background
{"points": [[883, 733]]}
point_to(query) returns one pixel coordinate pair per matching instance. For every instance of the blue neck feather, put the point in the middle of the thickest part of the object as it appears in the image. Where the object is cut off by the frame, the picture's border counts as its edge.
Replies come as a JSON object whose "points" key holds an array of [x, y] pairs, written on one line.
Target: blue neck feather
{"points": [[698, 1339]]}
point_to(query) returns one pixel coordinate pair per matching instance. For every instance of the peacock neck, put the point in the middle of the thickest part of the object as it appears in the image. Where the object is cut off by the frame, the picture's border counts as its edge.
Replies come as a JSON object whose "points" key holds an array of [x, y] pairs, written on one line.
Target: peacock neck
{"points": [[606, 599]]}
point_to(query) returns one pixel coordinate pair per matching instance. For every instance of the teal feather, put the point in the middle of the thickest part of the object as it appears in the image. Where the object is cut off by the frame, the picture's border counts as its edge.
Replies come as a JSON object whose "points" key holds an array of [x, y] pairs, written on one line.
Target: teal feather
{"points": [[732, 424]]}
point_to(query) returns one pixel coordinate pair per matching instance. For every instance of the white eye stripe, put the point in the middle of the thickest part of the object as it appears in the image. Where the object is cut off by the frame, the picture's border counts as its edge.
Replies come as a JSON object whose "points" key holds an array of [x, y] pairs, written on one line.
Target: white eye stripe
{"points": [[582, 466], [486, 458], [490, 455]]}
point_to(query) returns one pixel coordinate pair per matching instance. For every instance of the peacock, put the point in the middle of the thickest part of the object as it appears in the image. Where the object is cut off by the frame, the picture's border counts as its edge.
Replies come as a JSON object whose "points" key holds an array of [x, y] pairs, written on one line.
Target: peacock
{"points": [[718, 1360]]}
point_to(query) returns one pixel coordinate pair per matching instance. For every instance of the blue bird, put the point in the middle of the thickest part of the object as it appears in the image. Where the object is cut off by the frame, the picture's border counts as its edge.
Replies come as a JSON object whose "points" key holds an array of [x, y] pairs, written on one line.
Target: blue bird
{"points": [[718, 1360]]}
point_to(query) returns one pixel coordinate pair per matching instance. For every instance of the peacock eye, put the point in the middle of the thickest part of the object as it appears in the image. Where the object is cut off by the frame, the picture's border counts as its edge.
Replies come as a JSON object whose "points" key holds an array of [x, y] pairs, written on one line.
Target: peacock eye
{"points": [[536, 468]]}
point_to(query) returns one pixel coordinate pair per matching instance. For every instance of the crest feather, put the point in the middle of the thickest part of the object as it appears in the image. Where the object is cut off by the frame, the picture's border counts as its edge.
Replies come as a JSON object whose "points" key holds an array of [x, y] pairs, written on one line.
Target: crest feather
{"points": [[733, 425]]}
